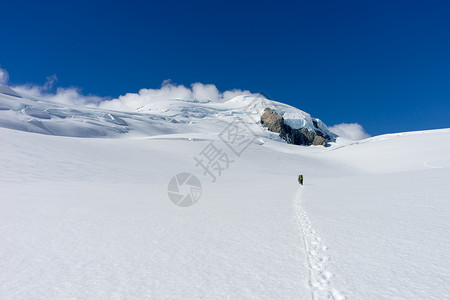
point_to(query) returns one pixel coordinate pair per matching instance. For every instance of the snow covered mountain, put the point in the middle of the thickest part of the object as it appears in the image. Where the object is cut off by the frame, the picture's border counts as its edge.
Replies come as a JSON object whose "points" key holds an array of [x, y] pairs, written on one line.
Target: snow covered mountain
{"points": [[93, 218], [21, 112]]}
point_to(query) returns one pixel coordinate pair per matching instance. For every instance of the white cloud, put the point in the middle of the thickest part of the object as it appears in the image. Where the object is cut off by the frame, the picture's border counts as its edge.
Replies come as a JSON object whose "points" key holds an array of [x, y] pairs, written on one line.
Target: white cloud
{"points": [[127, 102], [50, 82], [68, 96], [352, 131], [168, 90], [4, 76]]}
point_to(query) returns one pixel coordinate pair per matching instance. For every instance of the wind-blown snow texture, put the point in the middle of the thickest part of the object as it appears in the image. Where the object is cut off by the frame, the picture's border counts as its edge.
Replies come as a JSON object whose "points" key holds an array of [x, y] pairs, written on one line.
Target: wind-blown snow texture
{"points": [[90, 218]]}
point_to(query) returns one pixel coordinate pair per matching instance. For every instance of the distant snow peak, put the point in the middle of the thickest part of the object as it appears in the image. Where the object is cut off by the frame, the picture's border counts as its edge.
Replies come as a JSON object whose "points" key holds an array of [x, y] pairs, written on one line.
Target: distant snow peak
{"points": [[169, 116]]}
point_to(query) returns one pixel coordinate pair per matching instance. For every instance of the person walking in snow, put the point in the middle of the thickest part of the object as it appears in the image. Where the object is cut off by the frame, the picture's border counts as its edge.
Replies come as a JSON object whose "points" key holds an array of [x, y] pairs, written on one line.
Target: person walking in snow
{"points": [[300, 179]]}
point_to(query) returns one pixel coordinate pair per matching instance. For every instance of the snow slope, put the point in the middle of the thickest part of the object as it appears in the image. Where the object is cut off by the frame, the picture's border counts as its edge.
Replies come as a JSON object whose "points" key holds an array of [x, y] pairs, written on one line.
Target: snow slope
{"points": [[91, 218]]}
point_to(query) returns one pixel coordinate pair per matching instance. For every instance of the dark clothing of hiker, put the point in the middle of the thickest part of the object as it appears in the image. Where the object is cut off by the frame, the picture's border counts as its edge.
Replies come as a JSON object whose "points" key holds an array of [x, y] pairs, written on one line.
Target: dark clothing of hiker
{"points": [[300, 179]]}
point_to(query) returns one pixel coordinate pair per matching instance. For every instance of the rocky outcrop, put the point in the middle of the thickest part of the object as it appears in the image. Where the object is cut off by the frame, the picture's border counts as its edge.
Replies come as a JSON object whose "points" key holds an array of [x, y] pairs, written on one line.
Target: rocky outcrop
{"points": [[274, 122], [302, 136]]}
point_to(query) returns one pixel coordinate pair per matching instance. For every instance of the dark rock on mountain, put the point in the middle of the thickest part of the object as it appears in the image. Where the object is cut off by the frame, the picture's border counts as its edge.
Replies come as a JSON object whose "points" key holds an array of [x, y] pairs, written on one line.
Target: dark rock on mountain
{"points": [[302, 136], [274, 122]]}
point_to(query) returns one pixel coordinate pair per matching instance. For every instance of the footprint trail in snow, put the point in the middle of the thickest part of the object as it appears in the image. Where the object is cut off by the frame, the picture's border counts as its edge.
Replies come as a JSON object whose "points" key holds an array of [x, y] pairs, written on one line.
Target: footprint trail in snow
{"points": [[316, 255]]}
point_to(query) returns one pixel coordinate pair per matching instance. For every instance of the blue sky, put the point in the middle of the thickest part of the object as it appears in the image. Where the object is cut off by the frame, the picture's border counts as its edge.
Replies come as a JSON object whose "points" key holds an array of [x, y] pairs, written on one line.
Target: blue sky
{"points": [[382, 64]]}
